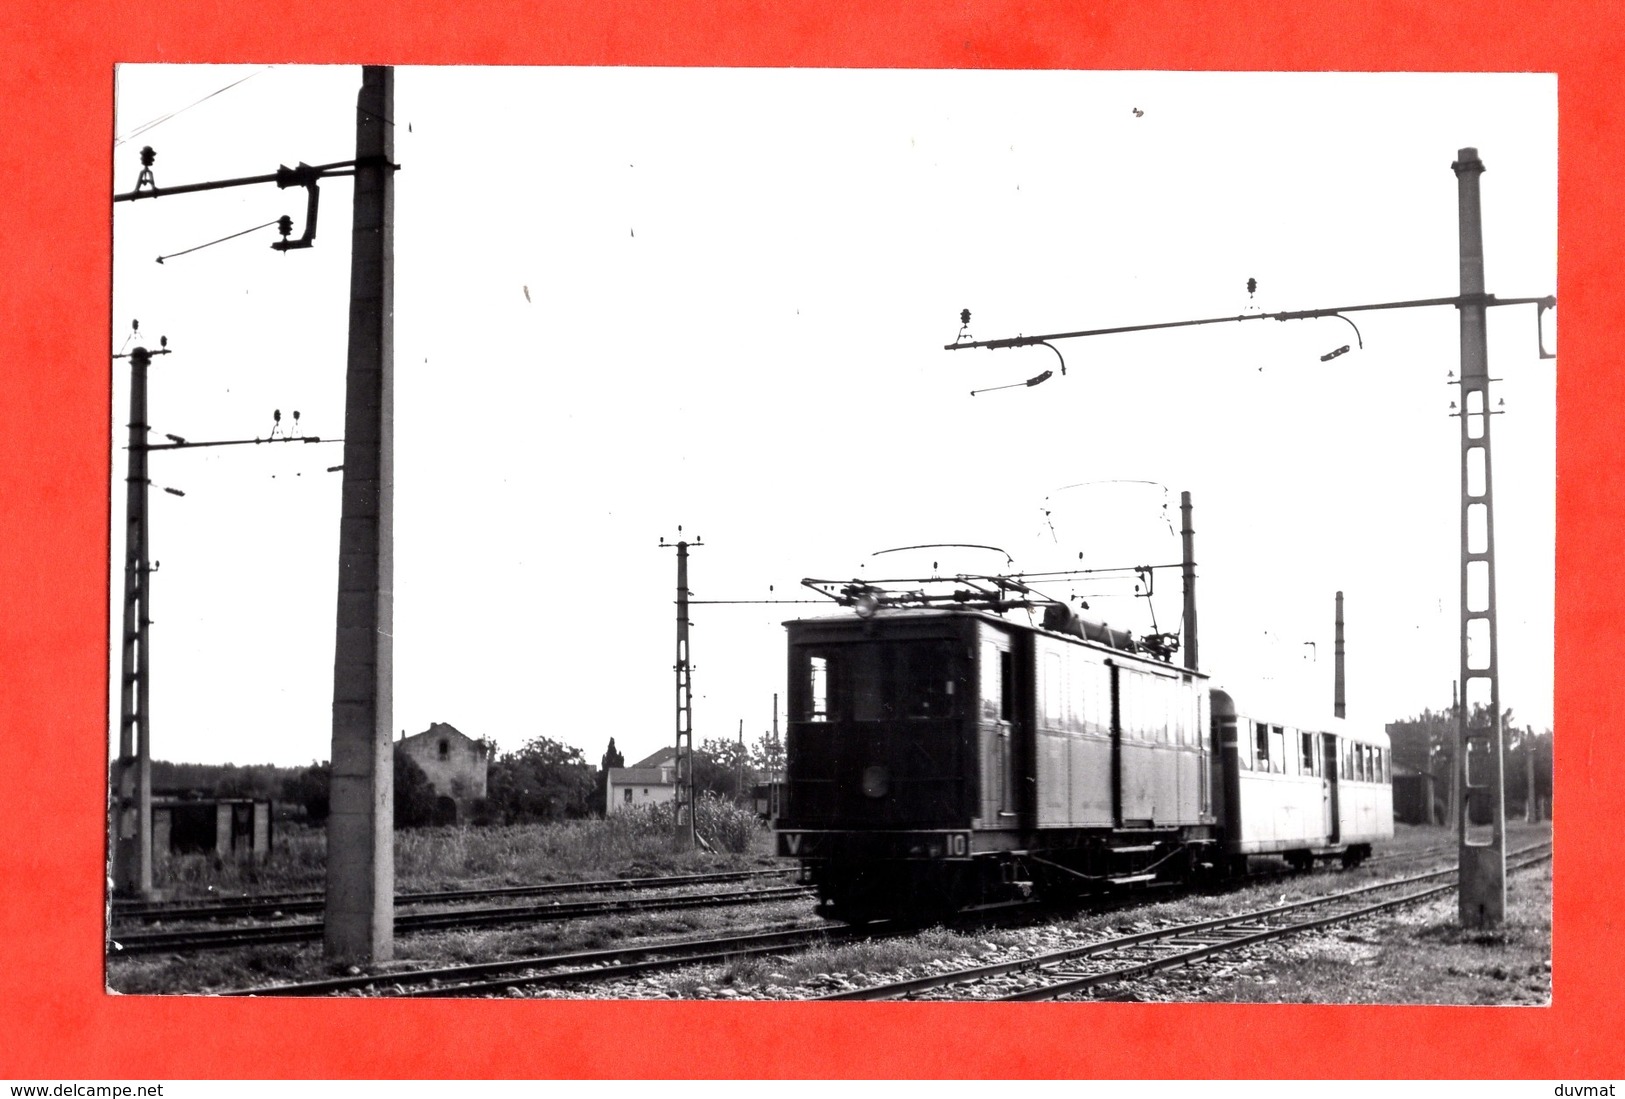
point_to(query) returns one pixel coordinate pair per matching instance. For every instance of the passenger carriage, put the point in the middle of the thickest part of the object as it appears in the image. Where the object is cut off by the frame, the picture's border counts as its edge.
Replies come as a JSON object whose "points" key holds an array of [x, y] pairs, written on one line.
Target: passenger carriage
{"points": [[1300, 789]]}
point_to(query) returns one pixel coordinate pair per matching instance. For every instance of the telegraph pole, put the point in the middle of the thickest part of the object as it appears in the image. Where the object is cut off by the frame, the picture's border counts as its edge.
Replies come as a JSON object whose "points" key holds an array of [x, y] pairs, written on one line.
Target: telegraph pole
{"points": [[684, 804], [1338, 707], [360, 902], [1482, 890], [1188, 572]]}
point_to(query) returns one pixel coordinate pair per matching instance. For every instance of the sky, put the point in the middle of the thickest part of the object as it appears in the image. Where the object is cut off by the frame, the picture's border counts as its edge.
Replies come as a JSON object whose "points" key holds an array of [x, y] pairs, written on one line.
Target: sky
{"points": [[635, 305]]}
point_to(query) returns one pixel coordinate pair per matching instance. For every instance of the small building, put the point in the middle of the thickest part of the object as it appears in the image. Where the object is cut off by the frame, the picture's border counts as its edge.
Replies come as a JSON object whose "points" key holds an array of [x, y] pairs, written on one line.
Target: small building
{"points": [[223, 826], [646, 782], [455, 764]]}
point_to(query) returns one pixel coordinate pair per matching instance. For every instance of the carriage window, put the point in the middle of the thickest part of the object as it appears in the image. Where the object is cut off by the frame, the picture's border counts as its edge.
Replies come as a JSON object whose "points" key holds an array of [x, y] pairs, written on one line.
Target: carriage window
{"points": [[1311, 758], [1244, 741], [1261, 738]]}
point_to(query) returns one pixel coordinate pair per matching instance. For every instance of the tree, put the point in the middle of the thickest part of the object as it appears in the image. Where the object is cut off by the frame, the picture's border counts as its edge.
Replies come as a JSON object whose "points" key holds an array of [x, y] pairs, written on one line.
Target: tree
{"points": [[309, 789], [767, 756], [415, 797], [722, 767], [544, 780], [1426, 744], [600, 790]]}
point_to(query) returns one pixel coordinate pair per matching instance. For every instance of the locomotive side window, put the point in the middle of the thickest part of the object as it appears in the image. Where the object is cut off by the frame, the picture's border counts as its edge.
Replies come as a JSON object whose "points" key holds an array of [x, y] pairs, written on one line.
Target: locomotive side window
{"points": [[1261, 741], [817, 689], [1244, 743], [1007, 686]]}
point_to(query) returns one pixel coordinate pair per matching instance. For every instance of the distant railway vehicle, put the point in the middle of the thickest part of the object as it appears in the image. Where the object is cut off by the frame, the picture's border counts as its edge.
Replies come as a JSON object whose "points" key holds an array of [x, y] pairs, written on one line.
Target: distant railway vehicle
{"points": [[941, 755]]}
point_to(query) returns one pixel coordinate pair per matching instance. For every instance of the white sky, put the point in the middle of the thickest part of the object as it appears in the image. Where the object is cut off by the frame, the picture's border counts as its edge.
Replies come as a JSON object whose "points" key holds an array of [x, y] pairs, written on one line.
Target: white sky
{"points": [[740, 284]]}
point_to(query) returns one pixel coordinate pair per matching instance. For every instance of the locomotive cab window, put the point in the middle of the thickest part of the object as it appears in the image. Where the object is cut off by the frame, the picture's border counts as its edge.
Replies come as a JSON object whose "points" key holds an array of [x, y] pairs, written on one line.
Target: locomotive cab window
{"points": [[878, 681]]}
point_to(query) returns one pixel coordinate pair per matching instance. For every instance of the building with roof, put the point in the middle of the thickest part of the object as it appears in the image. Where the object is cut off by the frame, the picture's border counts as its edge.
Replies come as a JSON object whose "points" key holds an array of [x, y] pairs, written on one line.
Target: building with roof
{"points": [[455, 764], [647, 781]]}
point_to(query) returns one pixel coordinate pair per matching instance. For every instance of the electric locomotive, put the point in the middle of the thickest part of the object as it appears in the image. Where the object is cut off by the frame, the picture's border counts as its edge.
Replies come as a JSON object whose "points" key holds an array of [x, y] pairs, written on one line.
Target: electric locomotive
{"points": [[940, 755]]}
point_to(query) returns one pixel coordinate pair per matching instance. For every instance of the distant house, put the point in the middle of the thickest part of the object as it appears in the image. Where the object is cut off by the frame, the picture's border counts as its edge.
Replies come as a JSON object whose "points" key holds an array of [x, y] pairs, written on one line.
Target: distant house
{"points": [[646, 781], [455, 765]]}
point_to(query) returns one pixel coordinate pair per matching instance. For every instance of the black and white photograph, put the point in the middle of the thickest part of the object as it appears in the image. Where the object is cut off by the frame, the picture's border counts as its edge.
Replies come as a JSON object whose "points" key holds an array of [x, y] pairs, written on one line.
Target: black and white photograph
{"points": [[832, 534]]}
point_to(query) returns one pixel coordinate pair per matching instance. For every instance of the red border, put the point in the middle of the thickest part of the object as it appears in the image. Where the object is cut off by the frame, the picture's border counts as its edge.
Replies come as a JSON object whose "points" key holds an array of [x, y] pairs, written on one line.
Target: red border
{"points": [[56, 83]]}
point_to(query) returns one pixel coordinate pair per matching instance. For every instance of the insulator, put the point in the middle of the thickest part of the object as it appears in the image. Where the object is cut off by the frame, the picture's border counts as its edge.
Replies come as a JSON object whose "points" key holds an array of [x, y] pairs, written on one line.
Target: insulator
{"points": [[1252, 285], [964, 316], [147, 156]]}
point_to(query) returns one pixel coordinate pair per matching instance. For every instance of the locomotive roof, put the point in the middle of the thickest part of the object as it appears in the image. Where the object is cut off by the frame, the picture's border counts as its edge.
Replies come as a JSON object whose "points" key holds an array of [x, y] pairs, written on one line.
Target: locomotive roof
{"points": [[893, 614]]}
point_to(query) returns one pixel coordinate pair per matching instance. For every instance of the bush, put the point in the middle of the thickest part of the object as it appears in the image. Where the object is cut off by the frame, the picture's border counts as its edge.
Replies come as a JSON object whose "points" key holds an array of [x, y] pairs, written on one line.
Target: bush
{"points": [[721, 823]]}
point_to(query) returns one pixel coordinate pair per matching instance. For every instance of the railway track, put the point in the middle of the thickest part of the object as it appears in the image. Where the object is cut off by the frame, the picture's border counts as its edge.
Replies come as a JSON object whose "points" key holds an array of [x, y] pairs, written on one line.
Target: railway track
{"points": [[121, 945], [581, 967], [279, 904], [1076, 970]]}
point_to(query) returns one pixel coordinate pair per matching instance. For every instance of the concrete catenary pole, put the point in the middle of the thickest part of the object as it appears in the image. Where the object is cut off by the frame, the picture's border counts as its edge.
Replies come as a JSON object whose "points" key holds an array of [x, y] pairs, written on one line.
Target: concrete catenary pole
{"points": [[1188, 571], [1338, 707], [132, 778], [1482, 844], [360, 906]]}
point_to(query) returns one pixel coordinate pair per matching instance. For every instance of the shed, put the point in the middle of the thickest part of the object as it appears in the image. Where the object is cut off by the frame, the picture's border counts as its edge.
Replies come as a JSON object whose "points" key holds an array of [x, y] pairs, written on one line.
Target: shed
{"points": [[224, 826]]}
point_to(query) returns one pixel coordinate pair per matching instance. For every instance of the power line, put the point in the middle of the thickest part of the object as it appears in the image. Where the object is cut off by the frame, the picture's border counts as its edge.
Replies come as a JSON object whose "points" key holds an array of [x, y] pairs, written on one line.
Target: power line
{"points": [[161, 119]]}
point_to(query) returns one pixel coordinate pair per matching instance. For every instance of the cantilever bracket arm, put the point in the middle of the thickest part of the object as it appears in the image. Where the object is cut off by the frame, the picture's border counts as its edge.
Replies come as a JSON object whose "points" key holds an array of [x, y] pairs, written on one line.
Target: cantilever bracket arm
{"points": [[309, 236], [304, 175], [1540, 337], [1487, 300]]}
